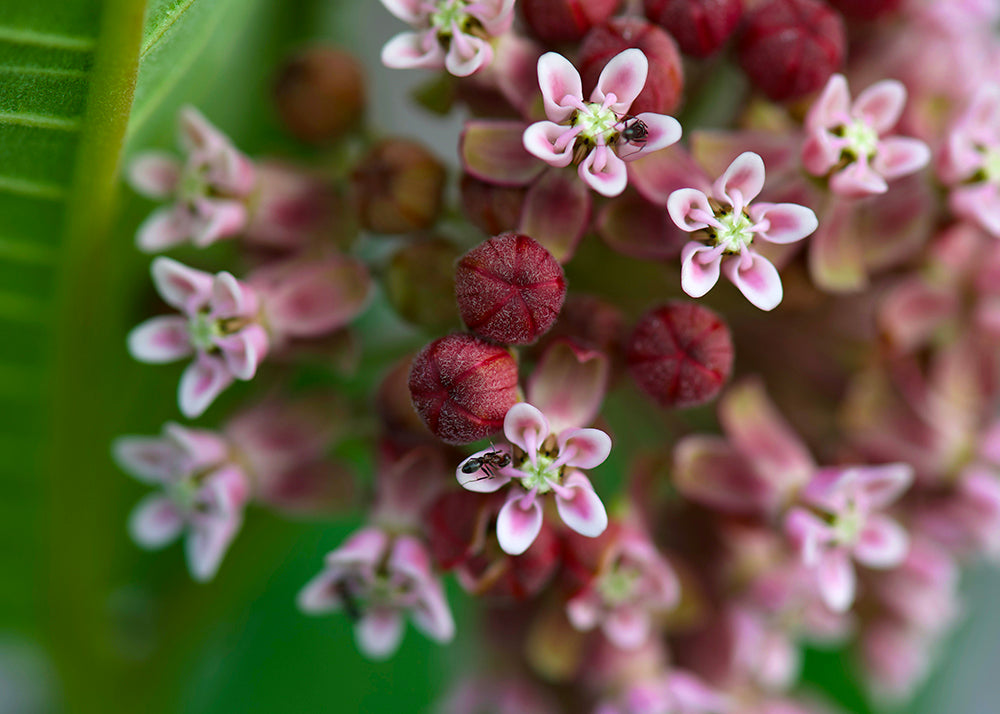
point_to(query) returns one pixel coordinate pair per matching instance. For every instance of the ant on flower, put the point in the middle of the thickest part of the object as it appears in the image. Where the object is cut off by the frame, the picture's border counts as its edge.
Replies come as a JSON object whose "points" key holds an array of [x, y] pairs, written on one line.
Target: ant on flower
{"points": [[487, 463], [634, 131]]}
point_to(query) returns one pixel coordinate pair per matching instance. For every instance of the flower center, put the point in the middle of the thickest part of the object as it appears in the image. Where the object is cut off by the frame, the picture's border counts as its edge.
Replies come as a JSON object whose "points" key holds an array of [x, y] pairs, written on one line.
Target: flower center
{"points": [[448, 13], [735, 232], [991, 165], [203, 330], [597, 122], [847, 526], [618, 585], [540, 475], [193, 184], [862, 139]]}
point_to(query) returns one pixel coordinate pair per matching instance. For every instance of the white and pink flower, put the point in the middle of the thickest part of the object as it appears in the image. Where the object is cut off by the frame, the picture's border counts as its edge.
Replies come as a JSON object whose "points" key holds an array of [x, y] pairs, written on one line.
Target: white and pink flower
{"points": [[728, 225], [598, 135], [377, 578], [203, 493], [452, 34], [848, 140]]}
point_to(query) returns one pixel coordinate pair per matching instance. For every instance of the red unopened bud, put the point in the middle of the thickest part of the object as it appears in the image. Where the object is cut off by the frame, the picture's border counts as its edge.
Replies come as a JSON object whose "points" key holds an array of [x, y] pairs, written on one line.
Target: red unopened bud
{"points": [[789, 48], [665, 80], [680, 354], [320, 94], [509, 289], [866, 9], [492, 209], [398, 187], [462, 387], [556, 21], [420, 283], [699, 26]]}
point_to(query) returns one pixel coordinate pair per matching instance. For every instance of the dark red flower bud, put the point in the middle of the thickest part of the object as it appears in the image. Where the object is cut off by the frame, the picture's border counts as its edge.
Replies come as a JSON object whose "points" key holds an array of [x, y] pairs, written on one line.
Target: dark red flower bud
{"points": [[420, 283], [462, 387], [680, 354], [665, 81], [320, 94], [866, 9], [699, 26], [492, 209], [789, 48], [509, 289], [398, 187], [556, 21]]}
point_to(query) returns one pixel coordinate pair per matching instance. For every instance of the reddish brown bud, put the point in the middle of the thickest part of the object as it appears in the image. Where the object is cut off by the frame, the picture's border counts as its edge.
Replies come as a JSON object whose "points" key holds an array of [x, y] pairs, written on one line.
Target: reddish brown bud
{"points": [[509, 289], [397, 187], [556, 21], [320, 94], [492, 209], [699, 26], [789, 48], [866, 9], [680, 354], [420, 283], [665, 81], [462, 387]]}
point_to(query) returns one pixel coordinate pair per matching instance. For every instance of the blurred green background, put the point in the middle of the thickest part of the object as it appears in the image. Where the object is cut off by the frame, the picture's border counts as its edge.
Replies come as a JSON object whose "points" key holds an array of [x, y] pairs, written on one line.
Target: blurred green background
{"points": [[88, 622]]}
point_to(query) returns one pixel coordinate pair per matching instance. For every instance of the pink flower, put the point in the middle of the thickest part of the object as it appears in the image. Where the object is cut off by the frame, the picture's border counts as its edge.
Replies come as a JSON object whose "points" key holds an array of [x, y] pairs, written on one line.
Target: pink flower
{"points": [[591, 134], [849, 139], [730, 224], [845, 522], [543, 462], [219, 326], [678, 692], [376, 578], [970, 161], [209, 187], [203, 493], [453, 34]]}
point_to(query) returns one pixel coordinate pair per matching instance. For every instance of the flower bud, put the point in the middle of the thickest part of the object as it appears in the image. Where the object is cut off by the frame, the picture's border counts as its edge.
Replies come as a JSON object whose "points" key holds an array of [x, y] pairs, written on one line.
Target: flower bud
{"points": [[509, 289], [462, 387], [789, 48], [556, 21], [398, 187], [665, 80], [320, 94], [420, 283], [492, 209], [699, 26], [680, 354]]}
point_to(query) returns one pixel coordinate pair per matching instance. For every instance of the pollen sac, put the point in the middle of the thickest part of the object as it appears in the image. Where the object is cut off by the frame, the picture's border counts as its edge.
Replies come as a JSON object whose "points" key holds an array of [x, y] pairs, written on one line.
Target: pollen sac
{"points": [[665, 80], [555, 21], [680, 354], [789, 48], [509, 289], [462, 387], [398, 187], [700, 27], [320, 94]]}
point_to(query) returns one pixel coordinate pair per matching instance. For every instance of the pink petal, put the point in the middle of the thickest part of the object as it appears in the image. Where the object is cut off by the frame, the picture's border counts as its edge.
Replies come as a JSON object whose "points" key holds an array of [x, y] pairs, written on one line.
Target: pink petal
{"points": [[431, 615], [788, 222], [479, 481], [583, 448], [836, 261], [364, 548], [411, 12], [160, 340], [206, 544], [694, 695], [230, 488], [320, 595], [821, 152], [883, 543], [526, 427], [833, 106], [201, 449], [658, 174], [582, 510], [698, 276], [624, 76], [883, 485], [709, 471], [202, 381], [662, 131], [409, 50], [218, 218], [154, 174], [558, 79], [244, 350], [912, 312], [979, 203], [467, 54], [881, 104], [185, 288], [230, 298], [379, 633], [742, 181], [604, 172], [584, 610], [836, 580], [155, 522], [989, 444], [857, 180], [809, 535], [163, 229], [680, 205], [410, 557], [760, 282], [539, 140], [627, 627], [493, 151], [197, 134], [556, 213], [899, 156], [150, 459], [517, 524], [568, 384]]}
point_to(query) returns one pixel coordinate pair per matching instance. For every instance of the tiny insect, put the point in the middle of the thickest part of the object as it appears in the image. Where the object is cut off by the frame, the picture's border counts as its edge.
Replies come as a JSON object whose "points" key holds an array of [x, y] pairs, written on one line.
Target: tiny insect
{"points": [[634, 132], [351, 605], [488, 463]]}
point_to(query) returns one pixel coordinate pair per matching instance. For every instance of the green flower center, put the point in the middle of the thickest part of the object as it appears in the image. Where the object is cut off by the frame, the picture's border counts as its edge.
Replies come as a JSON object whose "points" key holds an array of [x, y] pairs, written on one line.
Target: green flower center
{"points": [[540, 475], [597, 123], [862, 139], [847, 526], [735, 232], [618, 585], [449, 12], [203, 331], [991, 165]]}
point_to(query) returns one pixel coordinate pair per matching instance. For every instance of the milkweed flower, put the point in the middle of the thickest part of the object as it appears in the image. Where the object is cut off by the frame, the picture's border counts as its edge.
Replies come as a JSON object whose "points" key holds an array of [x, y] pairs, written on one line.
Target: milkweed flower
{"points": [[453, 34], [541, 463], [848, 140], [729, 224], [591, 134], [376, 578], [203, 493]]}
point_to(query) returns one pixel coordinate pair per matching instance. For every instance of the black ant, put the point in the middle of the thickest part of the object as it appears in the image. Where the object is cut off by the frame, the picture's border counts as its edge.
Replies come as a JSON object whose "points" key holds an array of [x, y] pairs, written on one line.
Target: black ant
{"points": [[488, 463], [635, 131], [352, 608]]}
